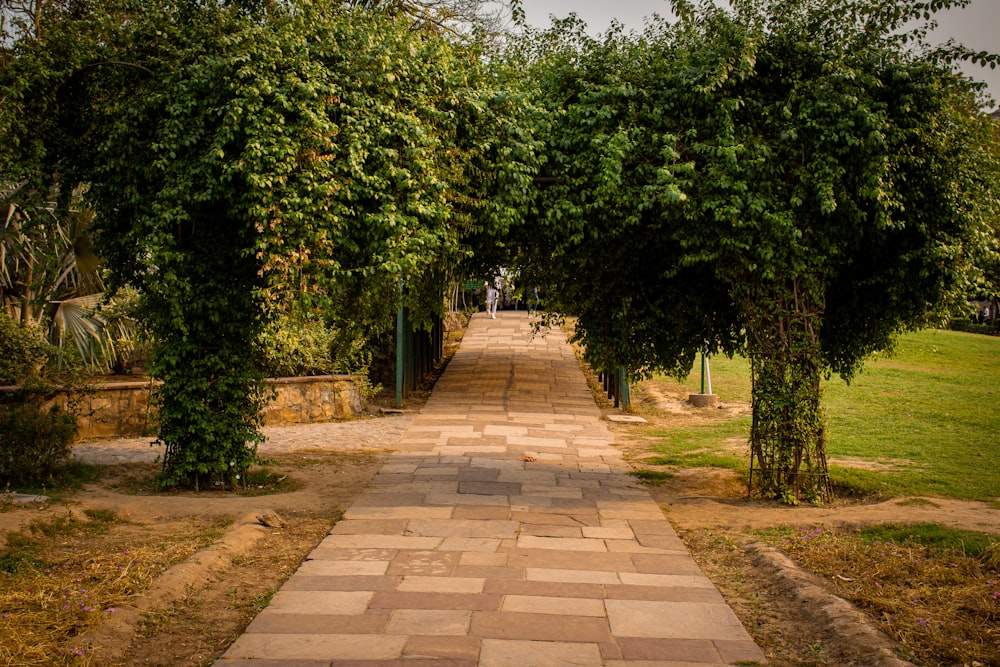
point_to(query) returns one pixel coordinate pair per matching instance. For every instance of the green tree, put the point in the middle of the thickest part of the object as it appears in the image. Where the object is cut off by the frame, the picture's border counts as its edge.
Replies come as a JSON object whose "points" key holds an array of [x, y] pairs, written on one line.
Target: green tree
{"points": [[49, 273], [603, 248], [458, 16], [250, 157], [788, 178], [985, 283]]}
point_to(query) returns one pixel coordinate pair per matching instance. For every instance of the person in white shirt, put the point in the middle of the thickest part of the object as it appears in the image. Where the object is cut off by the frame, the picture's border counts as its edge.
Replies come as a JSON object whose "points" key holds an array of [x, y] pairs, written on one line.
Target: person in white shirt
{"points": [[491, 300]]}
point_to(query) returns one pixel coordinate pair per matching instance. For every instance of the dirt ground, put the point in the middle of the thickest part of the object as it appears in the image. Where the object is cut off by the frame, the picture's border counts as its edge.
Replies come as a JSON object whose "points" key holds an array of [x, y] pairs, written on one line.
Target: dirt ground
{"points": [[197, 608], [194, 619]]}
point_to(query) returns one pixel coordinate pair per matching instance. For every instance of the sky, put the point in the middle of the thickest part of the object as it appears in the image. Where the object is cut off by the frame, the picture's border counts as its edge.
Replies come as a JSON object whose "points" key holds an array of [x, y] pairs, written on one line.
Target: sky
{"points": [[977, 25]]}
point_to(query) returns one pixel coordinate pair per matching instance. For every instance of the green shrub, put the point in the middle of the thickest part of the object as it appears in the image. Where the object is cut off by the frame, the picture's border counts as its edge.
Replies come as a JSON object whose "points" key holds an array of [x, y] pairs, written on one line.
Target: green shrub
{"points": [[34, 443], [127, 340], [966, 325], [23, 350], [293, 347]]}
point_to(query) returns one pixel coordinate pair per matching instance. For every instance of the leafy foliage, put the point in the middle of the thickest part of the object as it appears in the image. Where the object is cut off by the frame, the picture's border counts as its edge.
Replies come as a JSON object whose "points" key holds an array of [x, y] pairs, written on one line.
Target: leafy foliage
{"points": [[34, 443], [785, 178], [249, 159], [38, 252], [49, 273], [23, 350], [292, 347], [38, 368]]}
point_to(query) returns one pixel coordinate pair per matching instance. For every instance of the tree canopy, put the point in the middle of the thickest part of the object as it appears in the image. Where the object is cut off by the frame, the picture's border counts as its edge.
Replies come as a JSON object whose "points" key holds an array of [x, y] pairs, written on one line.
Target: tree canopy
{"points": [[797, 180], [785, 179], [243, 157]]}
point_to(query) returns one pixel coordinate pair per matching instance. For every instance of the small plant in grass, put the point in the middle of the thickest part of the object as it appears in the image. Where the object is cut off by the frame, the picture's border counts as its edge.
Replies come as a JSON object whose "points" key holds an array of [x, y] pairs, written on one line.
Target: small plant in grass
{"points": [[933, 589], [262, 482], [917, 502], [935, 537], [660, 461], [772, 535], [142, 480], [21, 553], [251, 606], [652, 477], [66, 480], [65, 526], [101, 516]]}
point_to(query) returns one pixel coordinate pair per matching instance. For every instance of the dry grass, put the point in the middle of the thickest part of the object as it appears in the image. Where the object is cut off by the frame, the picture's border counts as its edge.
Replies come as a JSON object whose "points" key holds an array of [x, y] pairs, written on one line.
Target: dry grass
{"points": [[778, 627], [61, 578], [197, 629], [941, 603]]}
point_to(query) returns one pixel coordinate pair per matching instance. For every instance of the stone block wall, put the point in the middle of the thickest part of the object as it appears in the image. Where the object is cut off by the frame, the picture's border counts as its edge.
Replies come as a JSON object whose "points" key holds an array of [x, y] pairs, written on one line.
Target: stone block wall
{"points": [[114, 410], [308, 400], [123, 410]]}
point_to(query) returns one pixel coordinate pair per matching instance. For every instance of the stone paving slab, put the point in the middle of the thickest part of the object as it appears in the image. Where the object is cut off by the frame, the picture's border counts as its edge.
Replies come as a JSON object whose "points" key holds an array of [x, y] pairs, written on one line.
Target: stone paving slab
{"points": [[504, 530]]}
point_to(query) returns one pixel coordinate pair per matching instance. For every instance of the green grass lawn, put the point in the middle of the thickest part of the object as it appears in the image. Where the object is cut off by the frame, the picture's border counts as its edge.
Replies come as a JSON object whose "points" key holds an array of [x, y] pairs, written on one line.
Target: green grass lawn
{"points": [[930, 412]]}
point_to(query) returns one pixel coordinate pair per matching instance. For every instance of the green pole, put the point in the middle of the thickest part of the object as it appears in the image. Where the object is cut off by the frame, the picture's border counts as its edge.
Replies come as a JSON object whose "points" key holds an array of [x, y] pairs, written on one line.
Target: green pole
{"points": [[399, 348], [703, 365], [626, 396]]}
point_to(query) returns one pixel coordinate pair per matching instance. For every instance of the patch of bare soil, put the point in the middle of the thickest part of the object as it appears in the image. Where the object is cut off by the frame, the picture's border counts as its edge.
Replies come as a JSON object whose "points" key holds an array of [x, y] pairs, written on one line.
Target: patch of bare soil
{"points": [[792, 614], [194, 621], [191, 617]]}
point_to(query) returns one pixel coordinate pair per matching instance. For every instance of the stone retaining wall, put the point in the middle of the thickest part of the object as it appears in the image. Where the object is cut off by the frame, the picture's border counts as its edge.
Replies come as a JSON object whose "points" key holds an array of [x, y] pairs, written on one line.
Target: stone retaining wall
{"points": [[308, 400], [122, 409]]}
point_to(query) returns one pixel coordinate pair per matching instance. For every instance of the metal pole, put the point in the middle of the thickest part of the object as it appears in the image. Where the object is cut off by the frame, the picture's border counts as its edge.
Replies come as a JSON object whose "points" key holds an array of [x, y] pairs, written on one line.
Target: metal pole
{"points": [[704, 365], [708, 376], [399, 348], [625, 392]]}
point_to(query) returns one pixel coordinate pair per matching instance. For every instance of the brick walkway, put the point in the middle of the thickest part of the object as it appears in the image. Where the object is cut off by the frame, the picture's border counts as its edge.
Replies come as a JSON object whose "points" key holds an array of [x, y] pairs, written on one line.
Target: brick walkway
{"points": [[504, 531]]}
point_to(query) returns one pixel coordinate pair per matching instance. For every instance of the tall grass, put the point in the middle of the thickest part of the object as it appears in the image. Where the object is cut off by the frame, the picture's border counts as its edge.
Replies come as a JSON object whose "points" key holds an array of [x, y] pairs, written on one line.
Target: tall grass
{"points": [[925, 418]]}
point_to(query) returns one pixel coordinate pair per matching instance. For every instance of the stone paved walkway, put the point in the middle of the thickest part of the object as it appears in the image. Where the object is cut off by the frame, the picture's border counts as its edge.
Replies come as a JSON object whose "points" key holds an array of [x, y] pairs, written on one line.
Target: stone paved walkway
{"points": [[504, 530]]}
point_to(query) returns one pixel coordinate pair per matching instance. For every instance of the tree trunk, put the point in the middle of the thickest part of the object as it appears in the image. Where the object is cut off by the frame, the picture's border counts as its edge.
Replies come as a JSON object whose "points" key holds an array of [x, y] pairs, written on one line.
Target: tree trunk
{"points": [[787, 437], [206, 331], [26, 309]]}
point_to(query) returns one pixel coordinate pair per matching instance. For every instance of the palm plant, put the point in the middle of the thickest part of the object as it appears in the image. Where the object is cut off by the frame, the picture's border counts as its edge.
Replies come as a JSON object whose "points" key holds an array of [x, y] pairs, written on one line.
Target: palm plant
{"points": [[50, 276]]}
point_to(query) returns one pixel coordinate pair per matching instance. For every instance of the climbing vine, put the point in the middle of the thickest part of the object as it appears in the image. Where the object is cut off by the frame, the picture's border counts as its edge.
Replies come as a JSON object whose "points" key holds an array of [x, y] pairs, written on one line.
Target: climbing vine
{"points": [[786, 179], [787, 435], [252, 158]]}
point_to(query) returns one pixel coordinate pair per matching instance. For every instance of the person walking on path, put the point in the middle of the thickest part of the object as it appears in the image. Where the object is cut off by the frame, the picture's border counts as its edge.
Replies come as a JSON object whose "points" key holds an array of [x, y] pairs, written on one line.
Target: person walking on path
{"points": [[533, 304], [491, 300]]}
